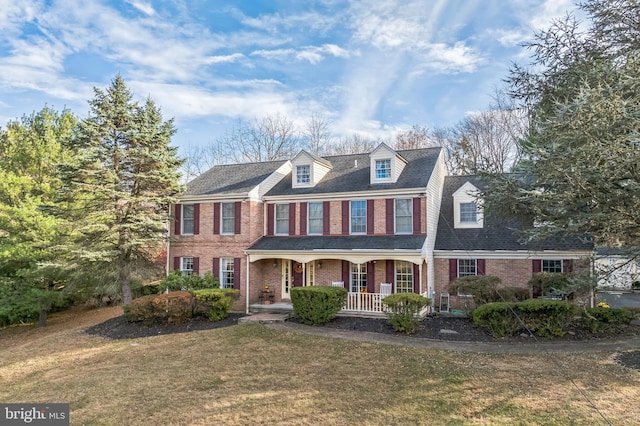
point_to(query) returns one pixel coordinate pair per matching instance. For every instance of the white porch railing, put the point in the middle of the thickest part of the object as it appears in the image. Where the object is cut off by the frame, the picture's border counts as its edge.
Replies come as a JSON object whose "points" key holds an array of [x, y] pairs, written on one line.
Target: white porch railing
{"points": [[364, 302]]}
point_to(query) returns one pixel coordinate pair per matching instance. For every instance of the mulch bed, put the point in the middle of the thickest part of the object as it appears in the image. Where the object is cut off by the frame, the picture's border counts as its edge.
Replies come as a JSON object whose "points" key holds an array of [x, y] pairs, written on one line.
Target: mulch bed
{"points": [[434, 327]]}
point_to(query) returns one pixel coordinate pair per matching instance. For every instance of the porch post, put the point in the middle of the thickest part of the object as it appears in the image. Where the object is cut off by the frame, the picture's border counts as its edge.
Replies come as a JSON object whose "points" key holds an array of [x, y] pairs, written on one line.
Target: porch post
{"points": [[420, 274], [246, 309], [304, 274]]}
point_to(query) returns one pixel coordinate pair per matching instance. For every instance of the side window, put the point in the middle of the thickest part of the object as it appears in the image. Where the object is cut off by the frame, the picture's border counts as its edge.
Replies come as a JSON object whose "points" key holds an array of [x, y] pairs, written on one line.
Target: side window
{"points": [[467, 267], [186, 266], [282, 219], [228, 217], [187, 219], [404, 216], [314, 226], [359, 217], [552, 266], [226, 273]]}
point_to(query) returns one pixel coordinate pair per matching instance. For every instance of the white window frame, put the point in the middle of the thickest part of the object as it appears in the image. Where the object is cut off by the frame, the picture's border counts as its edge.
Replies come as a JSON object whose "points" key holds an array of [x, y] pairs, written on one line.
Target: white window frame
{"points": [[468, 266], [186, 266], [282, 220], [227, 219], [395, 216], [469, 212], [303, 178], [548, 266], [359, 218], [383, 169], [357, 277], [227, 273], [315, 219], [404, 276], [185, 219]]}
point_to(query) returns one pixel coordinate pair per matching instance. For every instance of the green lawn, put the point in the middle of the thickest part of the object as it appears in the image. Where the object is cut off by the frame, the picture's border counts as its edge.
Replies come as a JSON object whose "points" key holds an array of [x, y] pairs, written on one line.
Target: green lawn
{"points": [[249, 374]]}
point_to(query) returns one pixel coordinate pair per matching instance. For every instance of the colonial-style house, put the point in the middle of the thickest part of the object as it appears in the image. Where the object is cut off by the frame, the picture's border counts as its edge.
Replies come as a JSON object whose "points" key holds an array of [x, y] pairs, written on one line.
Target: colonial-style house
{"points": [[468, 243], [366, 222], [377, 223]]}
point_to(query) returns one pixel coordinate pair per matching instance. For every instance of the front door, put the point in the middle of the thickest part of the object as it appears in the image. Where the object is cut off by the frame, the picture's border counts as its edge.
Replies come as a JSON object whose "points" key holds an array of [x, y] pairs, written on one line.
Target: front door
{"points": [[297, 275]]}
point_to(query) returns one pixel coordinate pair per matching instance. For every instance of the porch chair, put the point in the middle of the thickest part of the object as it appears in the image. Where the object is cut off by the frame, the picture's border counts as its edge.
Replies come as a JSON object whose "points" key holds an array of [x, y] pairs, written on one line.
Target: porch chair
{"points": [[385, 290]]}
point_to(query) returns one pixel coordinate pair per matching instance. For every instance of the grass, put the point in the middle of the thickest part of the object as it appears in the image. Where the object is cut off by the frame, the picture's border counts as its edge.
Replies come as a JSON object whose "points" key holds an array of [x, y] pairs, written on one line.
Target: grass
{"points": [[250, 374]]}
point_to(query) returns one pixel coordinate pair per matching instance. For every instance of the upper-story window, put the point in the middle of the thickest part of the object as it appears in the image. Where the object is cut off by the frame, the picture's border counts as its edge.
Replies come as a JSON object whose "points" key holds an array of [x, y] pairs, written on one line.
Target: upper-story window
{"points": [[303, 174], [314, 226], [469, 212], [383, 169], [228, 217], [404, 216], [551, 265], [187, 219], [359, 217], [282, 219]]}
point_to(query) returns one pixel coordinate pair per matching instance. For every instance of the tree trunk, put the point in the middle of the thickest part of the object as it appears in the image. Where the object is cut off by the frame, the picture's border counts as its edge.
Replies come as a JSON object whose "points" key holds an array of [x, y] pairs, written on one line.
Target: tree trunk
{"points": [[125, 280], [42, 321]]}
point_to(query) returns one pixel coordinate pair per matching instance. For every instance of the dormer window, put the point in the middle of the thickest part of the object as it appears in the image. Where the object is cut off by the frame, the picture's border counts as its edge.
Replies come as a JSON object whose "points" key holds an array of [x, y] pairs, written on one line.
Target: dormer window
{"points": [[467, 211], [303, 174], [383, 169]]}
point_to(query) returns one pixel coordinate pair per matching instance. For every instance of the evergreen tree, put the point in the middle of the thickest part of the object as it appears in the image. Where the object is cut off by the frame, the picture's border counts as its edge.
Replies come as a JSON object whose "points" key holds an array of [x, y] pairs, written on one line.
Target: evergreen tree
{"points": [[120, 187], [582, 168]]}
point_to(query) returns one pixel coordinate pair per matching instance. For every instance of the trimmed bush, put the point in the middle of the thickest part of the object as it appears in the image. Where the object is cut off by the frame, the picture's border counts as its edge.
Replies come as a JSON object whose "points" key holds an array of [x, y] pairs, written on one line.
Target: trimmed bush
{"points": [[512, 294], [549, 283], [317, 305], [497, 317], [483, 288], [403, 309], [606, 319], [176, 281], [544, 318], [214, 302], [174, 307]]}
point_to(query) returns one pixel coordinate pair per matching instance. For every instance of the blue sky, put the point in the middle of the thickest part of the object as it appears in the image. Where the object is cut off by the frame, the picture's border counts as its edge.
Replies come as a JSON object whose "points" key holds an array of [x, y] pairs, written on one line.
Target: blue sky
{"points": [[372, 67]]}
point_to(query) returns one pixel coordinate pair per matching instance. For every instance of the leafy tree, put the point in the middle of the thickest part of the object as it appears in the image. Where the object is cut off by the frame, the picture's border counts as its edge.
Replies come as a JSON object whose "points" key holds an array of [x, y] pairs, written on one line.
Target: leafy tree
{"points": [[582, 168], [120, 187]]}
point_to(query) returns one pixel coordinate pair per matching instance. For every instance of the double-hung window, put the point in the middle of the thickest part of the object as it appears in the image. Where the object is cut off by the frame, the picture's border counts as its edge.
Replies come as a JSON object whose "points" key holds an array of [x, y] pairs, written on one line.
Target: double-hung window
{"points": [[226, 273], [186, 266], [551, 265], [187, 219], [467, 267], [228, 218], [314, 225], [282, 219], [404, 277], [469, 212], [404, 216], [359, 217], [383, 169], [303, 174]]}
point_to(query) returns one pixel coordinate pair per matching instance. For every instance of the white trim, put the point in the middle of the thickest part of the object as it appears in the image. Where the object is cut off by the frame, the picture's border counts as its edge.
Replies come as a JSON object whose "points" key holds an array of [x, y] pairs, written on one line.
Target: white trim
{"points": [[498, 254], [356, 256], [395, 216], [321, 218], [365, 217], [182, 219], [340, 196]]}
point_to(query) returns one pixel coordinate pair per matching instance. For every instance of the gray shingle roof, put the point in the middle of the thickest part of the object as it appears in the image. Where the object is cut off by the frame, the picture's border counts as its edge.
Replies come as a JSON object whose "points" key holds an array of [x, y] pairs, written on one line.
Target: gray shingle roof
{"points": [[495, 235], [345, 177], [232, 178], [346, 242]]}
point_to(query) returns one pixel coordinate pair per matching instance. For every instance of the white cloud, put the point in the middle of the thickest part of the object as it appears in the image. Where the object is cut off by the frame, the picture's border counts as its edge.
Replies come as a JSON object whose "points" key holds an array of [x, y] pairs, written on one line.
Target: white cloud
{"points": [[312, 54], [142, 6]]}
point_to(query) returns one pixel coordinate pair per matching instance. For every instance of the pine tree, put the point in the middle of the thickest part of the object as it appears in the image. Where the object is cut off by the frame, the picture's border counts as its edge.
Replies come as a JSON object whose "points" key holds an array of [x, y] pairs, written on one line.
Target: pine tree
{"points": [[120, 187]]}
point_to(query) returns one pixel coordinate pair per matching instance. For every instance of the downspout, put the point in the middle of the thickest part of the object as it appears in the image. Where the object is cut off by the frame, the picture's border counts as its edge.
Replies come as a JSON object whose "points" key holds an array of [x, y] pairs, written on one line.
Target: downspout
{"points": [[246, 309], [168, 262]]}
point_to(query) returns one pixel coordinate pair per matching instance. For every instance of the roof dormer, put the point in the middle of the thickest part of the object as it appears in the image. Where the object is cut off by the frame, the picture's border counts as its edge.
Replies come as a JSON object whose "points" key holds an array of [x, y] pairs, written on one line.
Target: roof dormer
{"points": [[308, 170], [467, 212], [386, 164]]}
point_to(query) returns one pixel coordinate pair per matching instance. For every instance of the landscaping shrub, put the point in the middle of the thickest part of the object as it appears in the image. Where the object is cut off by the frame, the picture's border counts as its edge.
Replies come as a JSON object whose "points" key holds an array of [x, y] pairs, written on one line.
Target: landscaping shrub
{"points": [[214, 302], [606, 319], [316, 305], [512, 294], [544, 318], [403, 309], [174, 307], [549, 283], [497, 317], [176, 281], [21, 303], [483, 288]]}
